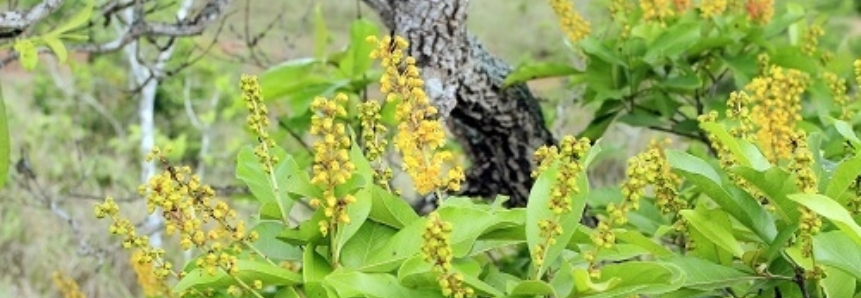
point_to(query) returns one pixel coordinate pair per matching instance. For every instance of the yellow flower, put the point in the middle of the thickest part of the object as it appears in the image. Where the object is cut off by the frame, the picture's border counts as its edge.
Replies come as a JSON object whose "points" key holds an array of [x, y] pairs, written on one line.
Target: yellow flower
{"points": [[571, 22], [712, 8], [67, 286], [776, 99], [332, 164], [656, 10], [760, 11], [810, 40], [436, 249], [420, 136]]}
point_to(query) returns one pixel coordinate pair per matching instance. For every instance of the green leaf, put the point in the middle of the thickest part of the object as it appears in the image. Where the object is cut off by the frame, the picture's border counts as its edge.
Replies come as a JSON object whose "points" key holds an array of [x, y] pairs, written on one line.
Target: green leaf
{"points": [[637, 238], [4, 142], [358, 59], [537, 210], [249, 271], [775, 184], [358, 213], [314, 267], [289, 179], [845, 130], [57, 47], [845, 173], [673, 42], [270, 246], [404, 244], [321, 34], [29, 55], [717, 233], [532, 288], [367, 242], [683, 82], [597, 48], [706, 178], [704, 275], [835, 249], [639, 278], [390, 209], [541, 70], [348, 283], [829, 208], [289, 77], [77, 20], [838, 283]]}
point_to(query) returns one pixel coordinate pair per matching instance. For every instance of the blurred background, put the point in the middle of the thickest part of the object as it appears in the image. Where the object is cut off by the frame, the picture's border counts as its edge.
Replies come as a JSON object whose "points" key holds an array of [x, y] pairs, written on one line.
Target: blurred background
{"points": [[76, 134]]}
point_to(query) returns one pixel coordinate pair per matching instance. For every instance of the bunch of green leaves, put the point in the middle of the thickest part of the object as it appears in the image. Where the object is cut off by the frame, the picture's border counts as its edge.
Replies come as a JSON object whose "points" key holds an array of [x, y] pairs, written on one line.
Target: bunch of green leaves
{"points": [[663, 75]]}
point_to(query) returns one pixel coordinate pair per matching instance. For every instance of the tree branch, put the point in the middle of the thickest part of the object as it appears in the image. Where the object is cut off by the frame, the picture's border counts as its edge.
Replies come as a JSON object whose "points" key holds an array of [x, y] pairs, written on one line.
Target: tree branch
{"points": [[20, 20]]}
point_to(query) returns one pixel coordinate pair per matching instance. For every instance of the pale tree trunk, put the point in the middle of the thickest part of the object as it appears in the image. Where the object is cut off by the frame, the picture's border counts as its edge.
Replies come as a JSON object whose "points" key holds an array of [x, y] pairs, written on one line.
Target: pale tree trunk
{"points": [[145, 77], [499, 127]]}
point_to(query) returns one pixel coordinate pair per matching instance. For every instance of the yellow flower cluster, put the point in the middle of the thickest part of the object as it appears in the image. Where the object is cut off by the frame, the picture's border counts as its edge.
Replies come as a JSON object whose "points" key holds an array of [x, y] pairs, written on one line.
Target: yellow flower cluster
{"points": [[656, 10], [569, 159], [647, 168], [123, 227], [437, 251], [776, 97], [759, 11], [420, 137], [837, 87], [373, 135], [810, 40], [666, 182], [806, 181], [571, 22], [258, 121], [332, 165], [857, 67], [712, 8], [67, 286], [151, 285], [738, 110], [188, 207]]}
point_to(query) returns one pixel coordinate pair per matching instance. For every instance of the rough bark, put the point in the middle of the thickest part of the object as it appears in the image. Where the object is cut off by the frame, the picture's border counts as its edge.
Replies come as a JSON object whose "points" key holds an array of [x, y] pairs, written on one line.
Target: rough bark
{"points": [[498, 127]]}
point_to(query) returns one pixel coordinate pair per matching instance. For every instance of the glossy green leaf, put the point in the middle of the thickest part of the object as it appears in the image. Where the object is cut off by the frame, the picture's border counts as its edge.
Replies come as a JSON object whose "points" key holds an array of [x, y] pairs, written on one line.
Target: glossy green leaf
{"points": [[80, 18], [403, 245], [776, 184], [348, 283], [673, 42], [542, 70], [704, 275], [833, 211], [28, 55], [597, 48], [639, 278], [718, 234], [268, 244], [844, 175], [358, 213], [358, 60], [249, 271], [367, 242], [532, 288], [848, 133], [57, 47], [834, 249], [838, 283], [706, 178], [390, 209]]}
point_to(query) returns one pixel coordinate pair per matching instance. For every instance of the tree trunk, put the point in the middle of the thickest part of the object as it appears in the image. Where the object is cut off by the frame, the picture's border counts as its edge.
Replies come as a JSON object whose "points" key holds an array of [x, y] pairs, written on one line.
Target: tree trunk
{"points": [[499, 127]]}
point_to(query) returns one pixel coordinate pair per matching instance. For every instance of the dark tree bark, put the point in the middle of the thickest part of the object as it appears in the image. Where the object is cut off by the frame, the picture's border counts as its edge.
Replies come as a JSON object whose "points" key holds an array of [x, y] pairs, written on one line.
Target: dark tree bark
{"points": [[499, 127]]}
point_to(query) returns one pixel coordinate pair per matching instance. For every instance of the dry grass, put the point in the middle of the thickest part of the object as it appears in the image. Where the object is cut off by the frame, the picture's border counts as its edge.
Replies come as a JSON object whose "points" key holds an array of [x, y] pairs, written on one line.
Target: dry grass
{"points": [[35, 242]]}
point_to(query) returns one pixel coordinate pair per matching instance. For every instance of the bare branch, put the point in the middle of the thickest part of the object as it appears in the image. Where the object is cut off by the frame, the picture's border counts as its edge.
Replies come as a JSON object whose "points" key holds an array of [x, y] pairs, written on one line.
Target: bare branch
{"points": [[21, 20]]}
